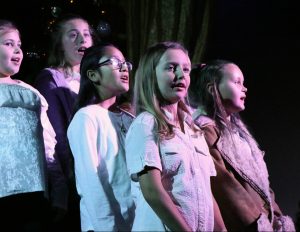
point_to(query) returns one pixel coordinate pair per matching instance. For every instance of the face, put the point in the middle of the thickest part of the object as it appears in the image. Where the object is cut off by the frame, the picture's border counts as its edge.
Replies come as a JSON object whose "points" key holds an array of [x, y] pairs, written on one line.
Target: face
{"points": [[232, 89], [173, 75], [75, 39], [113, 80], [11, 54]]}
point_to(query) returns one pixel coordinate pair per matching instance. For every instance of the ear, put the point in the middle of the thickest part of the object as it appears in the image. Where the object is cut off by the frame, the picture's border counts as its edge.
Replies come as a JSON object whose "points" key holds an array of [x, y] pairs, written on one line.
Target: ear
{"points": [[210, 88], [94, 76]]}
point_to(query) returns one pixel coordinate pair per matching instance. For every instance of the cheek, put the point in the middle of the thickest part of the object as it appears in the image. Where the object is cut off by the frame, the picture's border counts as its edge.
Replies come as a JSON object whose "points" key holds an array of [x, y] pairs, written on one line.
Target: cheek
{"points": [[89, 42], [159, 82], [225, 91], [224, 94], [187, 82], [3, 54], [67, 44]]}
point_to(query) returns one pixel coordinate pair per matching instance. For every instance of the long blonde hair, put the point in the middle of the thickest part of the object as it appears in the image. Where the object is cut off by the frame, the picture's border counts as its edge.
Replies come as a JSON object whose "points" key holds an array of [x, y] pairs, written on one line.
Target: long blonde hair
{"points": [[147, 96]]}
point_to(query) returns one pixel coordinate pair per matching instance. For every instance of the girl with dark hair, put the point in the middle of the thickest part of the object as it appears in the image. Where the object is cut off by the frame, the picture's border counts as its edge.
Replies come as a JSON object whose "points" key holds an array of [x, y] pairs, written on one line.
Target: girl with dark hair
{"points": [[96, 135]]}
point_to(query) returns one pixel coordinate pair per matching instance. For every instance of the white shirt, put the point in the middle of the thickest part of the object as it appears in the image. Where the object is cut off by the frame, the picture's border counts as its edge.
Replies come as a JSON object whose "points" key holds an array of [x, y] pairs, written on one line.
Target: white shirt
{"points": [[96, 138], [186, 167]]}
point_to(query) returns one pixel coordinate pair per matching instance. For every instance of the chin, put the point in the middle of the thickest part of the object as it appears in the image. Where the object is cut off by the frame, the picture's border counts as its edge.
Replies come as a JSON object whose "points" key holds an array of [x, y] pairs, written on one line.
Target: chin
{"points": [[124, 90], [240, 109]]}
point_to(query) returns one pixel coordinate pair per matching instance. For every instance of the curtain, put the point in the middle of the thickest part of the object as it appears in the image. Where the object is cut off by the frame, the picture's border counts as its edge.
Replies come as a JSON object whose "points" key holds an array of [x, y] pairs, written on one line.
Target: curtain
{"points": [[151, 21]]}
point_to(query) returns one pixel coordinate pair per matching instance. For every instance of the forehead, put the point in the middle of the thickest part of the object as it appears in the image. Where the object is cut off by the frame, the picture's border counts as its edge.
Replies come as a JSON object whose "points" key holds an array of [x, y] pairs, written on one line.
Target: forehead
{"points": [[232, 70], [75, 24], [10, 34], [111, 51], [175, 56]]}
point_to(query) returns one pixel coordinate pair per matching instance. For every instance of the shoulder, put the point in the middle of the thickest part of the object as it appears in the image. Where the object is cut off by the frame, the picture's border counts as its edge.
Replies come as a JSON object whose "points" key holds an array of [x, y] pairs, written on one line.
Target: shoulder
{"points": [[48, 75], [203, 121], [91, 111], [145, 118], [21, 93], [36, 91], [143, 124], [85, 116], [208, 126]]}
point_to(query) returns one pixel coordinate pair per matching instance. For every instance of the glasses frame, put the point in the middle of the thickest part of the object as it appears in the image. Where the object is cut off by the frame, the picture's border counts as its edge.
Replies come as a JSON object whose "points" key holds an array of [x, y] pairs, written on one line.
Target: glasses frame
{"points": [[120, 64]]}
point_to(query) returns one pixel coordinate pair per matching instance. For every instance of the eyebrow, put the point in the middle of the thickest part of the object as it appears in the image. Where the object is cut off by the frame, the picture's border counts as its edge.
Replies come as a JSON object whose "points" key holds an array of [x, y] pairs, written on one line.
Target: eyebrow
{"points": [[176, 63], [76, 30]]}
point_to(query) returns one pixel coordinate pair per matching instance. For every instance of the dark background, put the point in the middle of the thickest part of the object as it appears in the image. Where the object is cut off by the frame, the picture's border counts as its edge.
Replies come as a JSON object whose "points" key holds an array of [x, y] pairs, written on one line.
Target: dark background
{"points": [[261, 36]]}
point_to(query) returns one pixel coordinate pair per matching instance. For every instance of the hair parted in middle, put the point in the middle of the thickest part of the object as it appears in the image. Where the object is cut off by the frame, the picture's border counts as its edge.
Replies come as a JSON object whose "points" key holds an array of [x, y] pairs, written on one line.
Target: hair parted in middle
{"points": [[147, 96]]}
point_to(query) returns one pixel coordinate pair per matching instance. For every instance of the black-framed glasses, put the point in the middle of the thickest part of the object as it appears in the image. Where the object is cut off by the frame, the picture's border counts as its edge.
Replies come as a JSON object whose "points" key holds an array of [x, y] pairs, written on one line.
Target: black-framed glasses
{"points": [[116, 63]]}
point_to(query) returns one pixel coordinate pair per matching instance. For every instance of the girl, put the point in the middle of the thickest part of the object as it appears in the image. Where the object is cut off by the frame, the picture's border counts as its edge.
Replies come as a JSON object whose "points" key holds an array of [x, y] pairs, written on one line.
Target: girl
{"points": [[27, 141], [96, 135], [167, 157], [241, 187], [59, 84]]}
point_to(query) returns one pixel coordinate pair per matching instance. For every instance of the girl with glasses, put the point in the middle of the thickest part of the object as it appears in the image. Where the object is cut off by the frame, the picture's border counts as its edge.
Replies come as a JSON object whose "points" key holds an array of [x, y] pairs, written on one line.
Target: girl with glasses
{"points": [[96, 135]]}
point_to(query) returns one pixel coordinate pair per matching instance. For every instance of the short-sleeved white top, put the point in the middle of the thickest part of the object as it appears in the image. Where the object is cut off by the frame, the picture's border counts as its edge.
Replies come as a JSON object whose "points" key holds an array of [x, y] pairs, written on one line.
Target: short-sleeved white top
{"points": [[186, 167]]}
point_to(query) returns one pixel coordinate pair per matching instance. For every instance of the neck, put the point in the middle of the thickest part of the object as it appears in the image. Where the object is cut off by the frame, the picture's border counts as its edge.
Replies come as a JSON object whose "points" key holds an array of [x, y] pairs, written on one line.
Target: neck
{"points": [[7, 80], [76, 68], [70, 69], [171, 108], [108, 103], [174, 118]]}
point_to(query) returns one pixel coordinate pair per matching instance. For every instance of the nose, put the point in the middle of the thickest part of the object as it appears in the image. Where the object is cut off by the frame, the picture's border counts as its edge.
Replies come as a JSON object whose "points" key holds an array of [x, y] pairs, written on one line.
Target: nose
{"points": [[179, 73], [245, 89], [125, 66], [18, 50], [80, 38]]}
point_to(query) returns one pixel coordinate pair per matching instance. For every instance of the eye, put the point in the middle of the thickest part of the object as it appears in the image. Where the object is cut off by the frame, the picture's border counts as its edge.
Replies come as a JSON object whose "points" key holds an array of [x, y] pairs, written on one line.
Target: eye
{"points": [[186, 69], [10, 44], [73, 34], [87, 35], [115, 62], [171, 67]]}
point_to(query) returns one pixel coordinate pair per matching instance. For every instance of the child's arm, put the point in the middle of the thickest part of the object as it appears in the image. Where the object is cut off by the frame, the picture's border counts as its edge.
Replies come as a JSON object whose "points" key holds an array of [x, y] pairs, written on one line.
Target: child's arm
{"points": [[159, 200], [281, 222], [219, 224]]}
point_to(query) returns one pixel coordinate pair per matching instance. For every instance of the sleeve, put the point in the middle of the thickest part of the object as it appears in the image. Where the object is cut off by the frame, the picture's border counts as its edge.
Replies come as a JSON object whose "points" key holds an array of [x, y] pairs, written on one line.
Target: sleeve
{"points": [[58, 184], [141, 148], [48, 132], [46, 85], [57, 115], [281, 222], [235, 203], [82, 134]]}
